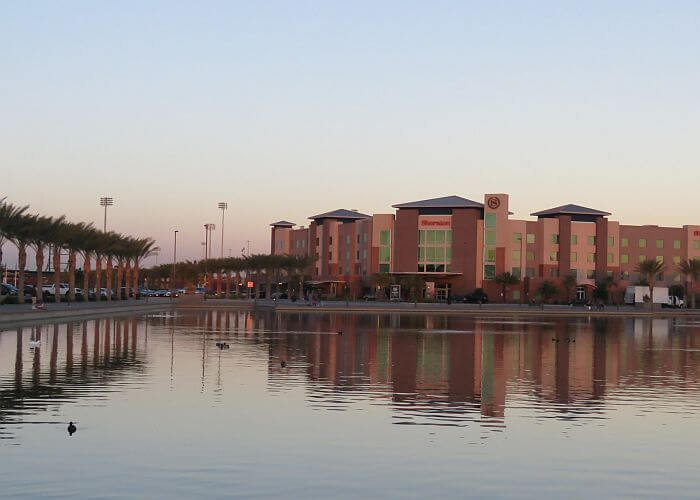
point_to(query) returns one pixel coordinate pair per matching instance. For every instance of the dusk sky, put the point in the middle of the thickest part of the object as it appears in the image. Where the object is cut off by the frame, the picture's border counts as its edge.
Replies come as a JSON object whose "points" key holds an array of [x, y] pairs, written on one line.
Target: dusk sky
{"points": [[288, 109]]}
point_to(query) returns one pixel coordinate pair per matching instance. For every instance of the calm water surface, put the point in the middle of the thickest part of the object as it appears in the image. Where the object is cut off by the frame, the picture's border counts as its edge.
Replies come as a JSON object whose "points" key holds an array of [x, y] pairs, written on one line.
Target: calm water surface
{"points": [[398, 406]]}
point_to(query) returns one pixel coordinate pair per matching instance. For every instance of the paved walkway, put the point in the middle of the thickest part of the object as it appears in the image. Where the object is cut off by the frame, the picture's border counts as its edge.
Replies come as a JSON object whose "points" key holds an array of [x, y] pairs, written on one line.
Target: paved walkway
{"points": [[16, 313], [456, 308]]}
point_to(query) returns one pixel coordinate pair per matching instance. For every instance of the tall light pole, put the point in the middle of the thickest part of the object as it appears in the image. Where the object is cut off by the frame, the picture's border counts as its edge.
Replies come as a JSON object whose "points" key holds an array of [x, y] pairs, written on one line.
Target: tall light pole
{"points": [[209, 229], [106, 201], [174, 256], [223, 206]]}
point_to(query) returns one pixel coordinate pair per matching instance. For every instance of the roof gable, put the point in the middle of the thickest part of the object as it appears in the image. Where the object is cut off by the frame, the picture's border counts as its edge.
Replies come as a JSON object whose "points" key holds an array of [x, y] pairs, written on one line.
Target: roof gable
{"points": [[570, 209], [341, 213], [443, 202], [283, 223]]}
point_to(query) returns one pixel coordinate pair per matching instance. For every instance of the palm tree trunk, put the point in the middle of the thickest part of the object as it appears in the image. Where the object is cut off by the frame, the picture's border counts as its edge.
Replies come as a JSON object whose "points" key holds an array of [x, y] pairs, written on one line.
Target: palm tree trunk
{"points": [[39, 274], [228, 283], [268, 286], [71, 276], [238, 283], [98, 278], [127, 277], [135, 278], [218, 283], [22, 264], [651, 291], [86, 278], [301, 286], [108, 278], [120, 272], [57, 273]]}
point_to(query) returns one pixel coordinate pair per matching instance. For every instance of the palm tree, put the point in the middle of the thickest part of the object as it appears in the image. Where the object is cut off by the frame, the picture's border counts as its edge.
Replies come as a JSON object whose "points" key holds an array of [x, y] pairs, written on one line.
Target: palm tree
{"points": [[40, 233], [143, 248], [76, 237], [691, 270], [506, 279], [16, 227], [649, 269], [547, 290], [89, 248], [111, 248], [10, 216], [382, 280]]}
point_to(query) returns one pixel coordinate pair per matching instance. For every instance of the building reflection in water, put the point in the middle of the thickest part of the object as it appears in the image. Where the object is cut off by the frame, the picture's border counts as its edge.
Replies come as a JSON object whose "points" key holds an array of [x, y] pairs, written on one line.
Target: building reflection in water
{"points": [[436, 370]]}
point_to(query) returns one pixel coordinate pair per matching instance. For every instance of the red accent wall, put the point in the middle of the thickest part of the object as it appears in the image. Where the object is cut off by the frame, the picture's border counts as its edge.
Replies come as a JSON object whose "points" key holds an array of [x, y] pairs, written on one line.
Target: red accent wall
{"points": [[601, 247], [564, 245], [464, 251], [406, 240]]}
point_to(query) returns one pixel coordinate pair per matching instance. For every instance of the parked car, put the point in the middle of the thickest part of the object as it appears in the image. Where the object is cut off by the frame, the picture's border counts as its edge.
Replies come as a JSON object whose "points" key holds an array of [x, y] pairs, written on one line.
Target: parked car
{"points": [[162, 293], [279, 295], [29, 291], [51, 289], [369, 297], [8, 289], [181, 291], [476, 297]]}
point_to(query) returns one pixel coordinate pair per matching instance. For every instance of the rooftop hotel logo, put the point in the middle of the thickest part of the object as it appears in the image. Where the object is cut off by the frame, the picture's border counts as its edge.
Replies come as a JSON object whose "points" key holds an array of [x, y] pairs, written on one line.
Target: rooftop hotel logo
{"points": [[493, 202]]}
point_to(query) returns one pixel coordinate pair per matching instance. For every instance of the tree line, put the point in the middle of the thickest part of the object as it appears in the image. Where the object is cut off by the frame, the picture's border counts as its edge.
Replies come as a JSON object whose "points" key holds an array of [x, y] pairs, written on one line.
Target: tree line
{"points": [[39, 232]]}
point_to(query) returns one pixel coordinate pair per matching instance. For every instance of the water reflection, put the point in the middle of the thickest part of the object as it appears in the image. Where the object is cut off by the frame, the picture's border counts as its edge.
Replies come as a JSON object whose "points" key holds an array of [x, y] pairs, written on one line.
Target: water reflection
{"points": [[427, 370]]}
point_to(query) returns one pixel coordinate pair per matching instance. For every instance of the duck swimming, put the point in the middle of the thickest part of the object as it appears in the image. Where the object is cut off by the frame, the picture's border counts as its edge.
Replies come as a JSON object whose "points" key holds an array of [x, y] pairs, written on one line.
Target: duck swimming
{"points": [[71, 428]]}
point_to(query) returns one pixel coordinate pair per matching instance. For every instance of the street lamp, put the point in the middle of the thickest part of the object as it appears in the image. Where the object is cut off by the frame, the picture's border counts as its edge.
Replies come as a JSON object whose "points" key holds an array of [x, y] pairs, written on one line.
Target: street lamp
{"points": [[106, 201], [223, 206], [174, 255]]}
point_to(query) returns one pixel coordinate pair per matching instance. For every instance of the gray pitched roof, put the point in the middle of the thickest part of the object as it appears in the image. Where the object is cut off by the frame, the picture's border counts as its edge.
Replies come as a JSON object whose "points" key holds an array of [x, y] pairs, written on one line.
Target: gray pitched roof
{"points": [[444, 202], [570, 209], [283, 223], [341, 213]]}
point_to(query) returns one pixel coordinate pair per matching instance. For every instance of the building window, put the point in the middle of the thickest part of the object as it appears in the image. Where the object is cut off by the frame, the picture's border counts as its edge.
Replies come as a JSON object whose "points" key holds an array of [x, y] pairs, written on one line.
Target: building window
{"points": [[676, 276], [590, 274], [611, 258], [515, 272], [676, 260], [317, 241], [624, 258], [358, 255], [574, 239], [340, 269], [358, 237], [435, 250], [490, 220], [611, 241], [364, 237], [642, 258], [530, 272], [490, 237], [555, 239], [573, 257], [383, 268], [642, 242], [364, 253], [530, 255], [516, 294], [660, 258], [591, 240], [489, 272], [659, 243], [590, 257], [330, 255], [517, 237], [347, 239], [385, 246], [385, 237], [516, 255], [554, 256], [677, 244], [384, 254], [330, 240], [696, 244], [490, 254], [624, 242], [347, 255], [530, 238]]}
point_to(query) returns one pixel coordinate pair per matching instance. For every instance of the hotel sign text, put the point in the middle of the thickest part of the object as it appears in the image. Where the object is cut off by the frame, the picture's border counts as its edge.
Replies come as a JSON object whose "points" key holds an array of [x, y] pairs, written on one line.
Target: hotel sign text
{"points": [[443, 223]]}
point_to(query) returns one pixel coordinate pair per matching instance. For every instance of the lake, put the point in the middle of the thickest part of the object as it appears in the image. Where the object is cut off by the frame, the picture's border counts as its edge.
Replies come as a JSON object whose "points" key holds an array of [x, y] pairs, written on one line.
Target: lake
{"points": [[326, 405]]}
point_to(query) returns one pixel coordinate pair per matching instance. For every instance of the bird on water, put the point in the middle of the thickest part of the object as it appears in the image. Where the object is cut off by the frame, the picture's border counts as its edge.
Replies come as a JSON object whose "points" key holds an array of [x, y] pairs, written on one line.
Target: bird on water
{"points": [[71, 428]]}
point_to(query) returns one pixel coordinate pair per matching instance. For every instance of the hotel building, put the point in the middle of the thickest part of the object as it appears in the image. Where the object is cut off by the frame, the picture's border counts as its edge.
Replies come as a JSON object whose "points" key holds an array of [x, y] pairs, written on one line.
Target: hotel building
{"points": [[458, 245]]}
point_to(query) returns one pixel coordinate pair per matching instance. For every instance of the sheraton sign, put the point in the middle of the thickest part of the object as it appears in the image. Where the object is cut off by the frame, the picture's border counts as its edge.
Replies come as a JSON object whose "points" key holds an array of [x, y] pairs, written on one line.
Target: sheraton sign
{"points": [[435, 223]]}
